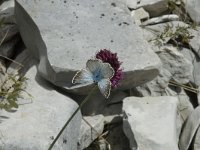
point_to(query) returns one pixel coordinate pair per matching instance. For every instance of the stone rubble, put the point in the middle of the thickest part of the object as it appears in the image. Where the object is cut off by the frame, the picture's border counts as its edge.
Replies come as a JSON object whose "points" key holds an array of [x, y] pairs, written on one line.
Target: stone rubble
{"points": [[49, 41]]}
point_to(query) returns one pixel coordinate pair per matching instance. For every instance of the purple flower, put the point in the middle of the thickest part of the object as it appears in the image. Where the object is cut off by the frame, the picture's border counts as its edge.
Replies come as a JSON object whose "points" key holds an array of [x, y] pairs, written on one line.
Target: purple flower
{"points": [[108, 57]]}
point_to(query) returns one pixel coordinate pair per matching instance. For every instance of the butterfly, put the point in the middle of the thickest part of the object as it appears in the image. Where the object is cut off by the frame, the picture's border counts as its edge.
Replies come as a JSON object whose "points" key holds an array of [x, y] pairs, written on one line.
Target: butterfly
{"points": [[96, 72]]}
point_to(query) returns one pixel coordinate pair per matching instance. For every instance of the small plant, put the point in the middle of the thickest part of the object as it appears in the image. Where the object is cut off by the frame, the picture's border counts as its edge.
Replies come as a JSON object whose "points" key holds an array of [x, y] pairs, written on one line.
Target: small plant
{"points": [[179, 36], [10, 91]]}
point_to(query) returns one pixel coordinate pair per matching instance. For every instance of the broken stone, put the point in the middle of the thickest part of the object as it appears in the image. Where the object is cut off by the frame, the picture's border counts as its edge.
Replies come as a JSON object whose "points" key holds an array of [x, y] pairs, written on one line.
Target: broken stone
{"points": [[196, 140], [153, 7], [176, 64], [139, 15], [144, 117], [189, 130], [162, 19], [63, 45], [189, 55]]}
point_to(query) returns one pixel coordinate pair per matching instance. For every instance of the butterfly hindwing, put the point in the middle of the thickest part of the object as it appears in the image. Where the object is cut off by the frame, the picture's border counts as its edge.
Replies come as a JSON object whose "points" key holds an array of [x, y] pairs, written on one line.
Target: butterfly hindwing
{"points": [[105, 87], [83, 76]]}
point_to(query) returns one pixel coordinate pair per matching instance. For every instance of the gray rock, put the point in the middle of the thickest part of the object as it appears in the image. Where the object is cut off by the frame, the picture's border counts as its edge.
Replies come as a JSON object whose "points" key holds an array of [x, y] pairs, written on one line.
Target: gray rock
{"points": [[139, 15], [188, 54], [36, 122], [161, 19], [7, 11], [196, 140], [176, 64], [192, 7], [8, 31], [189, 130], [87, 133], [85, 28], [194, 41], [7, 48], [156, 87], [144, 117], [153, 7]]}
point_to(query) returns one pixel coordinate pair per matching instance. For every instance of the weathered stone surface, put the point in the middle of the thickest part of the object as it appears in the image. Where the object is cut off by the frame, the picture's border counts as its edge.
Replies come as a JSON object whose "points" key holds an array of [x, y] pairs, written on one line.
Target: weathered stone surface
{"points": [[189, 130], [197, 140], [188, 54], [36, 122], [157, 86], [176, 64], [144, 117], [153, 7], [161, 19], [87, 133], [192, 7], [194, 41], [139, 15], [84, 28], [7, 11]]}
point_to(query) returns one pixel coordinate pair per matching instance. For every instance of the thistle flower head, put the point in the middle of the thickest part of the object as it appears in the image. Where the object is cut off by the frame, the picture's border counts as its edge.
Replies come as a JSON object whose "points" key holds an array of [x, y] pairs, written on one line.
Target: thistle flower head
{"points": [[108, 57]]}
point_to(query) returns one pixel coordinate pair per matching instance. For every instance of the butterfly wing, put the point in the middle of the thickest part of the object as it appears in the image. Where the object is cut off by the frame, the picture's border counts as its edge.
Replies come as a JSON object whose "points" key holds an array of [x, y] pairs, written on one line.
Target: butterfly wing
{"points": [[93, 65], [97, 66], [105, 87], [83, 76], [106, 71]]}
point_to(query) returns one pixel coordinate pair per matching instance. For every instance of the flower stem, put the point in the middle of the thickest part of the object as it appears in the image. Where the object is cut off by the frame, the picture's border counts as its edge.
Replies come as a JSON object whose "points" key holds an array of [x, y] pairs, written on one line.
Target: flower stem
{"points": [[72, 116]]}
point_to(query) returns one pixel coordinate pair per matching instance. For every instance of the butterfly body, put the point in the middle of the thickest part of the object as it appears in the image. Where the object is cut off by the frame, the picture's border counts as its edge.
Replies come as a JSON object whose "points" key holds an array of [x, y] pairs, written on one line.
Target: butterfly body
{"points": [[96, 72]]}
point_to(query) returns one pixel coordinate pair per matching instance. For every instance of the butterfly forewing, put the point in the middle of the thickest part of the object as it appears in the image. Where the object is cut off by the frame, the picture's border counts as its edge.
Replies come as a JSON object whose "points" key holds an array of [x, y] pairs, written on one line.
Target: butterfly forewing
{"points": [[83, 76], [105, 87], [93, 65], [106, 70]]}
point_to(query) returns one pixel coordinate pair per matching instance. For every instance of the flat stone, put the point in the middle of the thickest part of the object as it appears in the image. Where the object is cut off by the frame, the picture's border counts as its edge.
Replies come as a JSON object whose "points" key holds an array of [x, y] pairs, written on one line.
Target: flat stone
{"points": [[36, 122], [91, 128], [64, 44], [161, 19], [153, 7], [144, 117]]}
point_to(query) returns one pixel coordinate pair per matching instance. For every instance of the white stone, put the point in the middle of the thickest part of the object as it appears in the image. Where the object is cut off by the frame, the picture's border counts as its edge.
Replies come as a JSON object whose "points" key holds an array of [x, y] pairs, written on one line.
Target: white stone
{"points": [[161, 19], [190, 128], [153, 7], [192, 7], [87, 133], [36, 122], [139, 15], [84, 28], [176, 64], [150, 122]]}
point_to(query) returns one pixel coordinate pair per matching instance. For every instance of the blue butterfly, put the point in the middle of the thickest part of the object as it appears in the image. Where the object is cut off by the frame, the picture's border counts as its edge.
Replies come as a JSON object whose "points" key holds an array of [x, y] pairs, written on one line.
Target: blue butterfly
{"points": [[96, 72]]}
